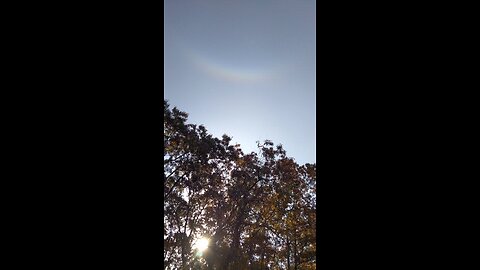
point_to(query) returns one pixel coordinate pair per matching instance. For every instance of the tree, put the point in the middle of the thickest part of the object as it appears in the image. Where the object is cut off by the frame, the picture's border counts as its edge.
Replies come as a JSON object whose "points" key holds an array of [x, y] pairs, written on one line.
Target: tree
{"points": [[257, 209]]}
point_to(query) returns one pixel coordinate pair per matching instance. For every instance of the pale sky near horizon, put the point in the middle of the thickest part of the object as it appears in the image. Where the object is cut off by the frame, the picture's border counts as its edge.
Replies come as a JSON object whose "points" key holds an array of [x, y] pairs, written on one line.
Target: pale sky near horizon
{"points": [[245, 69]]}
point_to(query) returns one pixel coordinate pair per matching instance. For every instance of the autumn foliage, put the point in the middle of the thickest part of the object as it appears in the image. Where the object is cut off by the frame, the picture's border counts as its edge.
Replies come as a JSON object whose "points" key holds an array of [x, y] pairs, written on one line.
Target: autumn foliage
{"points": [[257, 209]]}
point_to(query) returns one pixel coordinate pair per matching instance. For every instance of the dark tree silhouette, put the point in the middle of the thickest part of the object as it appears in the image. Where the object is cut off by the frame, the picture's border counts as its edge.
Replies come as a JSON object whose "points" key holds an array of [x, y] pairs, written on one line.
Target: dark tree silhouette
{"points": [[257, 209]]}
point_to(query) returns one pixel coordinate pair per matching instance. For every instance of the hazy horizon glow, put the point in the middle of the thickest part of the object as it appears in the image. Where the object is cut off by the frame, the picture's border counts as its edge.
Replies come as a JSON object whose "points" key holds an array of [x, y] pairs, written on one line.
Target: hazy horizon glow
{"points": [[245, 69]]}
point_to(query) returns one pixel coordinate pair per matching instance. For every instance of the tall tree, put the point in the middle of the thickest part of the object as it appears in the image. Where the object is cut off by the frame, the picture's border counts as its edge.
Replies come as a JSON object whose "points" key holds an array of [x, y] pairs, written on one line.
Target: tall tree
{"points": [[257, 209]]}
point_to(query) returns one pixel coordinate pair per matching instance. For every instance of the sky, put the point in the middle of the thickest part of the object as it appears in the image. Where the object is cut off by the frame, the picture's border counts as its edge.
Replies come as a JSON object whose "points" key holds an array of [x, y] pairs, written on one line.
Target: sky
{"points": [[245, 68]]}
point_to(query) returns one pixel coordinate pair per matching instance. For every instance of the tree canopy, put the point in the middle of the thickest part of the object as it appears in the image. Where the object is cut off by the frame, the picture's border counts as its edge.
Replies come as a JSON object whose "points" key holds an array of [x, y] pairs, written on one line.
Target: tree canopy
{"points": [[257, 209]]}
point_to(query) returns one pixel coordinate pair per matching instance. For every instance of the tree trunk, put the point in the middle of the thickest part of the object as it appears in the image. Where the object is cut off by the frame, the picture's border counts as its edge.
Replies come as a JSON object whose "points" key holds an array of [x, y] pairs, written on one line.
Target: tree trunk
{"points": [[184, 257], [209, 266], [262, 262], [288, 253], [233, 258], [295, 256]]}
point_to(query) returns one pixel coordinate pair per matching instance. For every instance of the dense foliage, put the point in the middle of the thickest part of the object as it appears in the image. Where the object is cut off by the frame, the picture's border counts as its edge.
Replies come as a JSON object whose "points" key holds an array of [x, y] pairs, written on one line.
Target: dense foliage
{"points": [[257, 209]]}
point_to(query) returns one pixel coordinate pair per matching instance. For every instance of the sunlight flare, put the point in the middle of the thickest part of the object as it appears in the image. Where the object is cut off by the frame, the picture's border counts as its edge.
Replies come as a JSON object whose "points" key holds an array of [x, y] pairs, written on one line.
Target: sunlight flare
{"points": [[201, 244]]}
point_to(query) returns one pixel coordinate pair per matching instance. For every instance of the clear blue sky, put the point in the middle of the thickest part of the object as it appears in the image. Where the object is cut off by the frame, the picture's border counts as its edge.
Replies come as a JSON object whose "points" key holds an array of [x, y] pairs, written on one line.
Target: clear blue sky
{"points": [[245, 68]]}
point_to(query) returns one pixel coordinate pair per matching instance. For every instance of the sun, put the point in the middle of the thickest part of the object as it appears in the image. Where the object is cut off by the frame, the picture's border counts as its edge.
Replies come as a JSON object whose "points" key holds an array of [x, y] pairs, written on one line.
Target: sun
{"points": [[201, 244]]}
